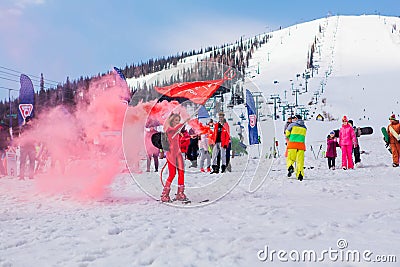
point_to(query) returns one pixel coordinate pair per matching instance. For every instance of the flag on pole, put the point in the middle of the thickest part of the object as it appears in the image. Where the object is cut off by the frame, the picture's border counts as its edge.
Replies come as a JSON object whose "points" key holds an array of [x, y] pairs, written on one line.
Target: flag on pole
{"points": [[121, 82], [198, 91], [26, 99], [252, 114]]}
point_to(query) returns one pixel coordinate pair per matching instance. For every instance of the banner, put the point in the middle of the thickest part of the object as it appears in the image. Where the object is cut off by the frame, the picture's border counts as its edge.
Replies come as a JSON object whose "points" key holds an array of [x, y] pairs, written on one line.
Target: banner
{"points": [[198, 91], [252, 115], [26, 99]]}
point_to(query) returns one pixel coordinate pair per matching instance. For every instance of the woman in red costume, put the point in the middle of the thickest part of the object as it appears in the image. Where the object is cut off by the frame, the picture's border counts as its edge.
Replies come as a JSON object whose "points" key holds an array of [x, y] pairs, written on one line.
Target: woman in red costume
{"points": [[174, 158]]}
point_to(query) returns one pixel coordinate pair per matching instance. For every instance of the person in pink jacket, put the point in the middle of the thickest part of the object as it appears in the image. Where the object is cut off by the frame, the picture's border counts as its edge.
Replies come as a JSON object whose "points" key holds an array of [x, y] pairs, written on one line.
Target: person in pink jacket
{"points": [[347, 140]]}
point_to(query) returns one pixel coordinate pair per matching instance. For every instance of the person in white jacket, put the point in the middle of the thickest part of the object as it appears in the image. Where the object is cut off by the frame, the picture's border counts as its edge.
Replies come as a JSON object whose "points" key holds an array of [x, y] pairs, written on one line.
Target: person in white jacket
{"points": [[204, 152]]}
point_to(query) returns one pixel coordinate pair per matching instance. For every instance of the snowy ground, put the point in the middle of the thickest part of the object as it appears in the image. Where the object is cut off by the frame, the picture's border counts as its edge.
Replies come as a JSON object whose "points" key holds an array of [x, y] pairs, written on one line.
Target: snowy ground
{"points": [[128, 228]]}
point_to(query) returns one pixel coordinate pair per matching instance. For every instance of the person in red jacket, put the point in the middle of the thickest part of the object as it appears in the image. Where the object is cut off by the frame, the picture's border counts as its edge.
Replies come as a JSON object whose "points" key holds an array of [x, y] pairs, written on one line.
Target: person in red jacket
{"points": [[221, 138], [347, 140], [174, 158]]}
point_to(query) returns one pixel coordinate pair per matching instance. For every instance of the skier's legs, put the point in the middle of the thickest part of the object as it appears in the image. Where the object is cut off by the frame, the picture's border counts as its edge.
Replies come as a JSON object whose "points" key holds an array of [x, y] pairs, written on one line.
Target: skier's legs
{"points": [[148, 163], [181, 170], [202, 157], [223, 156], [22, 162], [300, 163], [291, 158], [216, 149], [171, 171], [350, 163], [329, 162], [155, 157], [395, 152], [344, 155], [32, 157]]}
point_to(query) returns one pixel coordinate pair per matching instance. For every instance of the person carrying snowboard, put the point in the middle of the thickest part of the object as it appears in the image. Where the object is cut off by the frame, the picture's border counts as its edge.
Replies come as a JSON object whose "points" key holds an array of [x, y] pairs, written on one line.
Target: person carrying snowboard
{"points": [[331, 154], [393, 131], [296, 135], [356, 149], [347, 141], [174, 158]]}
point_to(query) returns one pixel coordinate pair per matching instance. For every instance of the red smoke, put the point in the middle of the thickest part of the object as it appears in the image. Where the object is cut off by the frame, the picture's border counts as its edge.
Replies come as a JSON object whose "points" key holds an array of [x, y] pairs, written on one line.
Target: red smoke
{"points": [[87, 141]]}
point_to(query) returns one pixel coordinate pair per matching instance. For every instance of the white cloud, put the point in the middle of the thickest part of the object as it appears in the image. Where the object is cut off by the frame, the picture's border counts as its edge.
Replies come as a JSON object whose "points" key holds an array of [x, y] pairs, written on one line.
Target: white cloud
{"points": [[16, 8]]}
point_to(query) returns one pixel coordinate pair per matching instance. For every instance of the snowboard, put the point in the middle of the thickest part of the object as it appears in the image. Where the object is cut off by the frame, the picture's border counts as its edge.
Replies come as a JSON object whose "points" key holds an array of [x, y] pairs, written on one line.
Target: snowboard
{"points": [[160, 141], [386, 138], [361, 131]]}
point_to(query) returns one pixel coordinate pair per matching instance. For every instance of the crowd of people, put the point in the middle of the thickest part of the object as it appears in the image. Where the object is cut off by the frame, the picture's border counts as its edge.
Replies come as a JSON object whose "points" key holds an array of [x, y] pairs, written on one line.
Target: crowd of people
{"points": [[346, 139]]}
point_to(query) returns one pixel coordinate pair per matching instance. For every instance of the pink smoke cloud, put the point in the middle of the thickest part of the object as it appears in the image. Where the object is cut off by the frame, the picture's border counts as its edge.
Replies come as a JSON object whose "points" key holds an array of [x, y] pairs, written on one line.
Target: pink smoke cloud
{"points": [[84, 144]]}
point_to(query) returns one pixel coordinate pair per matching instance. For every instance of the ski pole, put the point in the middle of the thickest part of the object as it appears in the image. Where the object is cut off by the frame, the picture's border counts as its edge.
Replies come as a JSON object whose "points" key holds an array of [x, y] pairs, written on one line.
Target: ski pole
{"points": [[320, 147], [183, 125], [313, 152]]}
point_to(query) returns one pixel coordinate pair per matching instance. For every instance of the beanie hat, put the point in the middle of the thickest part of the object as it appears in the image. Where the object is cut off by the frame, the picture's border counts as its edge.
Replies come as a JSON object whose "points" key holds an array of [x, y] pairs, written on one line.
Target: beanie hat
{"points": [[299, 117], [351, 122], [332, 132], [345, 119], [392, 117]]}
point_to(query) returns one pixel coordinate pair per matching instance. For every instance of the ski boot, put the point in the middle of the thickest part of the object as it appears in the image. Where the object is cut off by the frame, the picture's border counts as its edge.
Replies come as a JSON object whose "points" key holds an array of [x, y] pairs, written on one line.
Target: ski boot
{"points": [[300, 177], [165, 193], [202, 170], [180, 195], [208, 169], [395, 165], [290, 171], [215, 169], [223, 168]]}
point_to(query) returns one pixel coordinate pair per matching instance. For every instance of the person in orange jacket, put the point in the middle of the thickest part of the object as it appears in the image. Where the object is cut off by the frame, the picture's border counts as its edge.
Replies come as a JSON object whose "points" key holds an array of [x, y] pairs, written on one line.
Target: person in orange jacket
{"points": [[394, 131]]}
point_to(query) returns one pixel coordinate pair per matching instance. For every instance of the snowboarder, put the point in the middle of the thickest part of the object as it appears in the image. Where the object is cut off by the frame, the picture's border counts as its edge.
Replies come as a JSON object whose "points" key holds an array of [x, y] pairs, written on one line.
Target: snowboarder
{"points": [[221, 139], [331, 144], [347, 141], [394, 130], [356, 149], [151, 150], [174, 159], [296, 136]]}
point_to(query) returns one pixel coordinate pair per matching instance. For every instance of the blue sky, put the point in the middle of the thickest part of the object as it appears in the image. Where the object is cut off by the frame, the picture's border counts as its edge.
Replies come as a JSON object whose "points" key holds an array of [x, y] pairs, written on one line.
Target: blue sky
{"points": [[74, 38]]}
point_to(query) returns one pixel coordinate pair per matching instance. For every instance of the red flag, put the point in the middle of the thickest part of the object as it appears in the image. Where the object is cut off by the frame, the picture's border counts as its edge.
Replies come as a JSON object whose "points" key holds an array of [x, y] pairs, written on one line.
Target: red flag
{"points": [[198, 91]]}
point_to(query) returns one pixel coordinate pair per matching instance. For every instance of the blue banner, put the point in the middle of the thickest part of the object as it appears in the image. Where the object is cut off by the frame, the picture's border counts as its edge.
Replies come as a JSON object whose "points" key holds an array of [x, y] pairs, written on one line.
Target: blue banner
{"points": [[252, 115], [203, 113], [26, 99]]}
